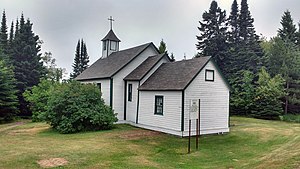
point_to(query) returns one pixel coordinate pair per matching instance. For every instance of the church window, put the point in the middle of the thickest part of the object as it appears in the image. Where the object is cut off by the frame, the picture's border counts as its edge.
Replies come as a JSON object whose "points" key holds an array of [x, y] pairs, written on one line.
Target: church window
{"points": [[130, 92], [99, 86], [113, 45], [159, 105], [209, 75], [104, 45]]}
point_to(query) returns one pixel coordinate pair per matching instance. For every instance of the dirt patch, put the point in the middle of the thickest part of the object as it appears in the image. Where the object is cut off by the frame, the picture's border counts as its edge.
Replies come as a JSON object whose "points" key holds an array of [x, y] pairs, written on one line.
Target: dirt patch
{"points": [[12, 126], [30, 131], [137, 134], [52, 162]]}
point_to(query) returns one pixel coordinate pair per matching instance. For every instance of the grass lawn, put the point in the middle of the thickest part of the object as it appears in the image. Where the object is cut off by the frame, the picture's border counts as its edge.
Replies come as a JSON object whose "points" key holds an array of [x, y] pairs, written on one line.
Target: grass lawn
{"points": [[251, 143]]}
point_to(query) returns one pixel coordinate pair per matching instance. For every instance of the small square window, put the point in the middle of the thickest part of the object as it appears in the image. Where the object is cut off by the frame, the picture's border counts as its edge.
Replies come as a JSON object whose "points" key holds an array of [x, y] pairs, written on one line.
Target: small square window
{"points": [[130, 92], [209, 75], [159, 105], [113, 45]]}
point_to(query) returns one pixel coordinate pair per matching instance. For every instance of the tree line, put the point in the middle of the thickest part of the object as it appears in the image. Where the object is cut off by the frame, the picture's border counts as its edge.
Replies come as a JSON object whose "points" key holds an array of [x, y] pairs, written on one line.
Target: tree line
{"points": [[263, 74]]}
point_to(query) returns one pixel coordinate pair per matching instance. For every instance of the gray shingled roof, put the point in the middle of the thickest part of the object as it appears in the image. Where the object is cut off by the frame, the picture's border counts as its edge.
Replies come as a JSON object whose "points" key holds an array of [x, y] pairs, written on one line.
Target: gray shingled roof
{"points": [[107, 67], [175, 75], [111, 36], [142, 69]]}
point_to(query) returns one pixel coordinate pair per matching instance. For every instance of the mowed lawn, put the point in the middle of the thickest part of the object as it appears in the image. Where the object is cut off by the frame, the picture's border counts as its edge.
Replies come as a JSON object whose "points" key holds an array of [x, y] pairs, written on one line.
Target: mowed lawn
{"points": [[252, 143]]}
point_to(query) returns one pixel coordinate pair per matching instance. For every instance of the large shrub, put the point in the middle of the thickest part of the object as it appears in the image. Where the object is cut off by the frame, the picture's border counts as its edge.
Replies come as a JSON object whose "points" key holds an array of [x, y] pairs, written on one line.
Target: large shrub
{"points": [[74, 107], [38, 99]]}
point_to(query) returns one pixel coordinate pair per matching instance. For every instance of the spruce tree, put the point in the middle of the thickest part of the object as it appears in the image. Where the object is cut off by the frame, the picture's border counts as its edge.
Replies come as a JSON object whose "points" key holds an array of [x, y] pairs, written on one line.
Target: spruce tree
{"points": [[3, 34], [233, 21], [162, 47], [26, 59], [11, 35], [212, 38], [81, 59], [76, 64], [288, 30], [8, 97]]}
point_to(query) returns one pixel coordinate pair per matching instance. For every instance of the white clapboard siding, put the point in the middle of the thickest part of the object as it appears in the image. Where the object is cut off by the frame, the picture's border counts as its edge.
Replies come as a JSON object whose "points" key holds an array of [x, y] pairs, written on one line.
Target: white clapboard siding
{"points": [[163, 60], [131, 106], [118, 82], [105, 89], [214, 105], [170, 120]]}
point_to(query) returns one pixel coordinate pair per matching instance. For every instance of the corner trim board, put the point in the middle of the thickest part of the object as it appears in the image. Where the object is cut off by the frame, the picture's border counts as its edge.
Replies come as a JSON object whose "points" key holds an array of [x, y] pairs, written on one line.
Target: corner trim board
{"points": [[111, 93], [182, 110]]}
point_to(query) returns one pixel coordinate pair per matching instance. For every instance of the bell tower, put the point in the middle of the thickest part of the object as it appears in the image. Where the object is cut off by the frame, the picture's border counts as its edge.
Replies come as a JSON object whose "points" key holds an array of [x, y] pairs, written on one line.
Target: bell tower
{"points": [[110, 43]]}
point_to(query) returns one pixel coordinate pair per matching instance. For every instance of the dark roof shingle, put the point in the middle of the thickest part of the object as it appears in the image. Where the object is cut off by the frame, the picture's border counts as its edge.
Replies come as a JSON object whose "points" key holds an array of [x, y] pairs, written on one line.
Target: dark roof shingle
{"points": [[111, 36], [107, 67], [143, 69], [174, 75]]}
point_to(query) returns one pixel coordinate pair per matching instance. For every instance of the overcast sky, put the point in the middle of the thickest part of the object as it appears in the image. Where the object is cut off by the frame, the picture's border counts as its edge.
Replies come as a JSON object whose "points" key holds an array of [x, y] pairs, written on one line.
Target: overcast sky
{"points": [[60, 23]]}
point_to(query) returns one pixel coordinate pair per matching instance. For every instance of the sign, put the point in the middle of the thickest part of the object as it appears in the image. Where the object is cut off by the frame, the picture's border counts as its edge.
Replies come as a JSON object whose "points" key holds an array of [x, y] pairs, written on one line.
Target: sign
{"points": [[194, 109]]}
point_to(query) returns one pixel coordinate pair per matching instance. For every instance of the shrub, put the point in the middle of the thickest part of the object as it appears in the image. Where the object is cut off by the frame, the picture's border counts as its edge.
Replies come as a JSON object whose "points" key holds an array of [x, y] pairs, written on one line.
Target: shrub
{"points": [[290, 118], [38, 99], [74, 107]]}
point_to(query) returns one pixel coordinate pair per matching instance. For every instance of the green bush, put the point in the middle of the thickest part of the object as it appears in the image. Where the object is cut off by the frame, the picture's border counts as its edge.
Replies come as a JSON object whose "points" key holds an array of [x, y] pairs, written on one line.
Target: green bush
{"points": [[290, 118], [38, 98], [75, 107]]}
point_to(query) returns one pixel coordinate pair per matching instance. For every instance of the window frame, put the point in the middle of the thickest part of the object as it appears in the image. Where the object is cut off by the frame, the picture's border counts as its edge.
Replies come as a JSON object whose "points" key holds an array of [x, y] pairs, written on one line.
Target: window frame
{"points": [[213, 75], [156, 105], [129, 92], [114, 49]]}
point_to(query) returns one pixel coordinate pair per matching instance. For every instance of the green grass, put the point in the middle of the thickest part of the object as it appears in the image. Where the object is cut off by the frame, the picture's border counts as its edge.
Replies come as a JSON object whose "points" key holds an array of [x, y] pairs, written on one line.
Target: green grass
{"points": [[251, 143]]}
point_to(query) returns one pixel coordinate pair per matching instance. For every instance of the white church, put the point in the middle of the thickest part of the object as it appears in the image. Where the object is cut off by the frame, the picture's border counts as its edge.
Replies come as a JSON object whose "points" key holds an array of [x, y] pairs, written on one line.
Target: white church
{"points": [[147, 90]]}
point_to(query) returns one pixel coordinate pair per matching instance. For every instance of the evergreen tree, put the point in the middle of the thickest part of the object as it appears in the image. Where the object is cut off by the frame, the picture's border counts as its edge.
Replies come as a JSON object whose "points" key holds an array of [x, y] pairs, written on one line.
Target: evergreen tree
{"points": [[233, 21], [162, 47], [172, 57], [76, 64], [212, 38], [8, 97], [26, 59], [81, 59], [3, 34], [288, 30], [11, 35]]}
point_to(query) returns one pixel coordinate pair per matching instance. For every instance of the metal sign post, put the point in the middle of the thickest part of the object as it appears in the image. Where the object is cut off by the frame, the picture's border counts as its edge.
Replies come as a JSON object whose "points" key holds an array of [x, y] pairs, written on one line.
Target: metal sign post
{"points": [[194, 114]]}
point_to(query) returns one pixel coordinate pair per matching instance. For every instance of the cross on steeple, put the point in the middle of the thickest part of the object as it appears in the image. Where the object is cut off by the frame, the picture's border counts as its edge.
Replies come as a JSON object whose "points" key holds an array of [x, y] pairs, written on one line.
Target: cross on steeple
{"points": [[111, 20]]}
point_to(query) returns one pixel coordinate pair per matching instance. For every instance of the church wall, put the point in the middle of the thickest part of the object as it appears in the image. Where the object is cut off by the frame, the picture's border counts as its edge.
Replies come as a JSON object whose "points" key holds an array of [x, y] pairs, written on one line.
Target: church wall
{"points": [[105, 89], [163, 60], [214, 102], [119, 84], [170, 121]]}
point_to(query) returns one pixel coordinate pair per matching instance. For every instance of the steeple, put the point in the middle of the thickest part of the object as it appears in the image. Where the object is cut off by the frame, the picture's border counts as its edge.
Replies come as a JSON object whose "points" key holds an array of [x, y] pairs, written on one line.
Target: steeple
{"points": [[110, 43]]}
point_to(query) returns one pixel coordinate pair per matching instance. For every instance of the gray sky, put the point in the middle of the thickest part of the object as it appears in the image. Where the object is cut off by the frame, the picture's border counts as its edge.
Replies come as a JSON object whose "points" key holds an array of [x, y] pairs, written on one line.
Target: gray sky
{"points": [[60, 23]]}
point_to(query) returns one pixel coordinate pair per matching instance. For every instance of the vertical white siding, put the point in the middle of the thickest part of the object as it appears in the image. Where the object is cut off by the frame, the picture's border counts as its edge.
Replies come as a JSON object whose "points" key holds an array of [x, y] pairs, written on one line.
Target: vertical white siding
{"points": [[163, 60], [118, 82], [214, 105], [171, 118], [131, 106], [105, 89]]}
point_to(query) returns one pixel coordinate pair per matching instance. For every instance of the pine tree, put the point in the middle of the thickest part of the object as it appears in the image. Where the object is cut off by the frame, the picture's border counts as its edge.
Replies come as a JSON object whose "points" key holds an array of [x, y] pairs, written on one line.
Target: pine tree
{"points": [[288, 30], [172, 57], [3, 34], [26, 59], [234, 24], [212, 38], [81, 59], [8, 97], [162, 47], [76, 64], [11, 34]]}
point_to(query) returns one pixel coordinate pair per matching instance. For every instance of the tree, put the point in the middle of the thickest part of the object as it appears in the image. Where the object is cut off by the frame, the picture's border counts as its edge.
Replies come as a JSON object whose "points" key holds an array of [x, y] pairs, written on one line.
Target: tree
{"points": [[269, 91], [233, 22], [212, 38], [288, 30], [8, 97], [81, 59], [52, 72], [241, 101], [3, 34], [284, 59], [26, 59], [172, 57], [162, 47]]}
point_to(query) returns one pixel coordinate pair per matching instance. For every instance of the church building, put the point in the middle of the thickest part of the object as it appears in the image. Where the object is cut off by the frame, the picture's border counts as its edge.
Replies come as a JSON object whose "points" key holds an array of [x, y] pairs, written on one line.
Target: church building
{"points": [[147, 90]]}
